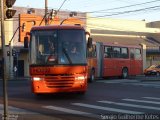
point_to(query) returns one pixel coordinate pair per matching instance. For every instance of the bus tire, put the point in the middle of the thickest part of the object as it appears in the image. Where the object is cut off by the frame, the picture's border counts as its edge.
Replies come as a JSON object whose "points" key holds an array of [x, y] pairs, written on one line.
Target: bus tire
{"points": [[81, 93], [39, 95], [92, 76], [124, 73]]}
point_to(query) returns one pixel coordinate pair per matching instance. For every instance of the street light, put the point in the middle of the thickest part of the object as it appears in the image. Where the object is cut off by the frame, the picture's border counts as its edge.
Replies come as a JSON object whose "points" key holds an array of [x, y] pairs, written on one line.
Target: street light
{"points": [[9, 13]]}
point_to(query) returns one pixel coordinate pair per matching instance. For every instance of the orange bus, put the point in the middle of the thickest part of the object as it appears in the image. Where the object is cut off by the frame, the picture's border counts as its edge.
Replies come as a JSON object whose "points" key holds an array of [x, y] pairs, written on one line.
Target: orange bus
{"points": [[58, 61], [106, 60]]}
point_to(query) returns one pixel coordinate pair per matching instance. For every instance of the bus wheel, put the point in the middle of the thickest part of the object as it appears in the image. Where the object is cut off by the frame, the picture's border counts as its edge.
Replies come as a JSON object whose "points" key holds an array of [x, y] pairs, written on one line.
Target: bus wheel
{"points": [[92, 76], [81, 93], [124, 73], [39, 95]]}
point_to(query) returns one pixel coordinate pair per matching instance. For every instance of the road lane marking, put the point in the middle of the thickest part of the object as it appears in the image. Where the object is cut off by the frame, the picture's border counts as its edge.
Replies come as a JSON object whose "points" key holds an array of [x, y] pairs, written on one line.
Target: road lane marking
{"points": [[142, 101], [143, 84], [107, 108], [131, 82], [131, 105], [66, 110], [153, 98]]}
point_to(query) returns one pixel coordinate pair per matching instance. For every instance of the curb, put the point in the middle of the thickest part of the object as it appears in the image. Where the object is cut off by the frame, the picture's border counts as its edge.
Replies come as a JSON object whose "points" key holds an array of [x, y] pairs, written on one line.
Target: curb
{"points": [[17, 79], [144, 78]]}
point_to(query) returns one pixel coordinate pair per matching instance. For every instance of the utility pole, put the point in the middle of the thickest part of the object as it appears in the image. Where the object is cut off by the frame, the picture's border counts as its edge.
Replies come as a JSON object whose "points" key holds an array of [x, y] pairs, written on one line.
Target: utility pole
{"points": [[5, 96], [46, 12]]}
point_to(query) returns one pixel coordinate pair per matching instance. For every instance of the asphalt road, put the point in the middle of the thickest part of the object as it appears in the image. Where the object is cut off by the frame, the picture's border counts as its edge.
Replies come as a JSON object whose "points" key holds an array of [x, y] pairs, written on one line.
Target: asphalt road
{"points": [[105, 99]]}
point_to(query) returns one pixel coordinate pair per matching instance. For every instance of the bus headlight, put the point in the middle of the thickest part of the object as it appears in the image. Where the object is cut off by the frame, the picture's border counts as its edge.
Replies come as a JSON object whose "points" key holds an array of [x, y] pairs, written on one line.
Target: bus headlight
{"points": [[80, 78], [37, 79]]}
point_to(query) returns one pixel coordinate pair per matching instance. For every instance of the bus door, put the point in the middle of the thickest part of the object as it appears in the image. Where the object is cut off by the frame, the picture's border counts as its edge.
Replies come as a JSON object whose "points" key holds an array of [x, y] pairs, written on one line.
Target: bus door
{"points": [[99, 49], [138, 61], [132, 61], [109, 62]]}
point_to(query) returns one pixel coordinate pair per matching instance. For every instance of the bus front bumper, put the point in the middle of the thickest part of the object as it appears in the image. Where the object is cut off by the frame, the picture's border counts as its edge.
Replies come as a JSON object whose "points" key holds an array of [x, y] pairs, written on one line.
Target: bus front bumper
{"points": [[50, 85]]}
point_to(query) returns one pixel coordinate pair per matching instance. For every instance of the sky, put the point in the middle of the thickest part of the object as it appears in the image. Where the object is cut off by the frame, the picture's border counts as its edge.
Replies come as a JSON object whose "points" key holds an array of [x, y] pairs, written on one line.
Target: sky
{"points": [[148, 10]]}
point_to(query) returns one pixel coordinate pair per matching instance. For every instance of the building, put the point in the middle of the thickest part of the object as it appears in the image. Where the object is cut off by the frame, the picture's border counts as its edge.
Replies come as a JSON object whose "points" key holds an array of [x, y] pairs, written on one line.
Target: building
{"points": [[19, 26], [129, 32]]}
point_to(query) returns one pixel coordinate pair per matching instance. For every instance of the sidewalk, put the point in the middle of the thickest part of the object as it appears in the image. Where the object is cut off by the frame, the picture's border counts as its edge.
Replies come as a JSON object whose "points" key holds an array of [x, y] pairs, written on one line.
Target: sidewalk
{"points": [[30, 117], [17, 79], [144, 78]]}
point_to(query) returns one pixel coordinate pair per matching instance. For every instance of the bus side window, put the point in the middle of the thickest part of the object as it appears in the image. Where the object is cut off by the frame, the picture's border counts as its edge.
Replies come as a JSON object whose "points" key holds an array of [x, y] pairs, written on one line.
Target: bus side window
{"points": [[132, 56], [137, 53], [107, 52], [116, 52], [124, 52]]}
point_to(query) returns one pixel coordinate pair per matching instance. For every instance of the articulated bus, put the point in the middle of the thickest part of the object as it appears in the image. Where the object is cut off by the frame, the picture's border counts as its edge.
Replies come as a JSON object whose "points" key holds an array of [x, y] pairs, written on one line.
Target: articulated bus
{"points": [[58, 61], [107, 60]]}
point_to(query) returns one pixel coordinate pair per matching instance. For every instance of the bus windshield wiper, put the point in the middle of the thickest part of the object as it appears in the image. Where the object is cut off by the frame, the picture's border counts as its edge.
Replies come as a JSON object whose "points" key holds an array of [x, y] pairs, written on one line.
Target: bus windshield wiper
{"points": [[66, 54]]}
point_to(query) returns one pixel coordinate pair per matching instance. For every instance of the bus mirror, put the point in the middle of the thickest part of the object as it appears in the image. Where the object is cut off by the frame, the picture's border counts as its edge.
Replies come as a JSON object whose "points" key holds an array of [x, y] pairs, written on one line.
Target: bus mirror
{"points": [[26, 42], [89, 44]]}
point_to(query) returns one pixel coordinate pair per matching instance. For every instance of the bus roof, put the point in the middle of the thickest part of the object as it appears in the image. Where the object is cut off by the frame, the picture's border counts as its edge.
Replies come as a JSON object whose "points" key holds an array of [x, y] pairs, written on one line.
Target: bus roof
{"points": [[53, 27]]}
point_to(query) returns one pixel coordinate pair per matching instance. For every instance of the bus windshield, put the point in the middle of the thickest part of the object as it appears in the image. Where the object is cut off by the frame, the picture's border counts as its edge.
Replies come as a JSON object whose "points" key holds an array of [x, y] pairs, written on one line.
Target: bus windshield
{"points": [[72, 47], [58, 47]]}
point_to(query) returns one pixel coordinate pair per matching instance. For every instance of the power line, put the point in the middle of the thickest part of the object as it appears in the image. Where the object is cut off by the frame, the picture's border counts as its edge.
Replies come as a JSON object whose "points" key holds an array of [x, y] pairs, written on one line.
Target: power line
{"points": [[61, 5], [131, 11], [145, 12], [153, 8], [58, 10], [124, 6]]}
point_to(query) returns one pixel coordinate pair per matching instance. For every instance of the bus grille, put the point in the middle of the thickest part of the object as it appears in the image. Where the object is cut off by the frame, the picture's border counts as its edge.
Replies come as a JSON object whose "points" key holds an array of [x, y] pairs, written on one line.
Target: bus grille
{"points": [[59, 81]]}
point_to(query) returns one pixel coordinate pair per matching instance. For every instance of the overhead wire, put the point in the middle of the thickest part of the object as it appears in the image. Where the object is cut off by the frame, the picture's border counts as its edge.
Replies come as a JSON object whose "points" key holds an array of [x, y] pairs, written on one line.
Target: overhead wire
{"points": [[116, 8], [61, 5], [58, 10], [145, 12], [130, 11], [153, 8], [127, 12]]}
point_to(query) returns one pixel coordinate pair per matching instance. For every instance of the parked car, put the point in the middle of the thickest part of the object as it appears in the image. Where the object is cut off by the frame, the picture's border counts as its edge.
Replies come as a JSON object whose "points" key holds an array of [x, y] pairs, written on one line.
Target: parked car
{"points": [[152, 70]]}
